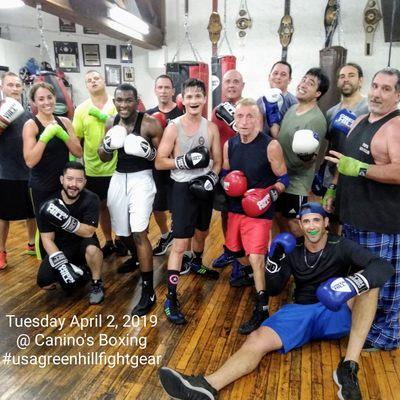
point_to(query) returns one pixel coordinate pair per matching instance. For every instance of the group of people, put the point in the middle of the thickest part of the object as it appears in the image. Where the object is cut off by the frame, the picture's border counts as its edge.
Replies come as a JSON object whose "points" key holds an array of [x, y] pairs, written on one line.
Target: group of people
{"points": [[255, 163]]}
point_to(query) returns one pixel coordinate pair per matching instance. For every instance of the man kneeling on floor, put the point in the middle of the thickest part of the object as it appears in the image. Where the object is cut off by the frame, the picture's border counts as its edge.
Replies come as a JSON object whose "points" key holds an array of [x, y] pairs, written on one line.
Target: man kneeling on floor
{"points": [[328, 305], [68, 235]]}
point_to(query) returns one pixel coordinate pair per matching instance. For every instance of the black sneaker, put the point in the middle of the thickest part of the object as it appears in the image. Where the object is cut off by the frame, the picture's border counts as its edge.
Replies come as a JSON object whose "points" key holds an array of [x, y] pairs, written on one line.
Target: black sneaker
{"points": [[345, 376], [180, 386], [163, 245], [108, 249], [146, 303], [258, 317], [120, 249], [185, 267], [202, 270], [96, 294], [130, 265], [241, 275], [172, 311], [369, 348]]}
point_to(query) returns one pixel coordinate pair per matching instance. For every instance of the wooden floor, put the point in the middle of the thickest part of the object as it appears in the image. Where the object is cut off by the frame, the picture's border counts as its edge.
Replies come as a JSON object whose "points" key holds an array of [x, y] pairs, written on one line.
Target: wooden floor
{"points": [[214, 310]]}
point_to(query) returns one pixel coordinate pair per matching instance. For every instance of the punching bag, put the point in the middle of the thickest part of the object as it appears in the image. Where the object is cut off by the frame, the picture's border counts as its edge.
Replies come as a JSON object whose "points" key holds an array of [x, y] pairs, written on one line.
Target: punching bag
{"points": [[182, 70], [220, 65]]}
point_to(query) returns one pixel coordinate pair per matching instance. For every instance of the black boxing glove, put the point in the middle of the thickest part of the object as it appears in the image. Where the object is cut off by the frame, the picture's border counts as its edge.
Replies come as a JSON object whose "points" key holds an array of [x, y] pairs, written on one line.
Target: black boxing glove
{"points": [[199, 157], [68, 274], [226, 112], [203, 186], [57, 213]]}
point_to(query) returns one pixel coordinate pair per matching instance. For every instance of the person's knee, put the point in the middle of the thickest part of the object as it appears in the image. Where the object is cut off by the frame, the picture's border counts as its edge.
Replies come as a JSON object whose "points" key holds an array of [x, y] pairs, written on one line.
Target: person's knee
{"points": [[179, 246], [92, 251], [139, 237], [254, 342]]}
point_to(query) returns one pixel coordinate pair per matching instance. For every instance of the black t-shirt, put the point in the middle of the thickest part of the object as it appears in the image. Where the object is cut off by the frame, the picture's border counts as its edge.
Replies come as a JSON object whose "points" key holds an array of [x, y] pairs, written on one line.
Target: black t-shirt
{"points": [[340, 257], [174, 113], [85, 210]]}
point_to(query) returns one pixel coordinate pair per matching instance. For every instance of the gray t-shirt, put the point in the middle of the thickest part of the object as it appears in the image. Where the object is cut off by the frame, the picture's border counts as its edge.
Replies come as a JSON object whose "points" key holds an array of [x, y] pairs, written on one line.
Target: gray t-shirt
{"points": [[12, 163]]}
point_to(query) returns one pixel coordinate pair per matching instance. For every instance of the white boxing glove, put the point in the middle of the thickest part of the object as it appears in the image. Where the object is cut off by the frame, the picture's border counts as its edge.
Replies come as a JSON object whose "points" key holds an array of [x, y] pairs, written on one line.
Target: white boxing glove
{"points": [[305, 144], [10, 110], [114, 139], [136, 145], [273, 95]]}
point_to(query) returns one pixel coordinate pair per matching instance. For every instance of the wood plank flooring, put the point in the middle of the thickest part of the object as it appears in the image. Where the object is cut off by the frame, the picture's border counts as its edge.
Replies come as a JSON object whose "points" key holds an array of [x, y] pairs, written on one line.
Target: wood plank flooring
{"points": [[214, 310]]}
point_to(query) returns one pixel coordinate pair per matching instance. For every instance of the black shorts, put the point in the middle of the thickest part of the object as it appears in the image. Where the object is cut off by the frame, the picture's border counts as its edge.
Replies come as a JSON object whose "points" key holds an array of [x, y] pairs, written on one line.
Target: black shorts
{"points": [[289, 204], [163, 181], [75, 255], [98, 185], [220, 199], [15, 200], [38, 198], [188, 212]]}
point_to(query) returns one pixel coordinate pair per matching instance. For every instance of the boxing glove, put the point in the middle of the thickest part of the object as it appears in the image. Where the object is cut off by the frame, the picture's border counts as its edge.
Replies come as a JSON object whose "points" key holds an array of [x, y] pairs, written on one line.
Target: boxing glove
{"points": [[161, 118], [226, 112], [343, 121], [10, 110], [203, 186], [351, 167], [256, 202], [49, 133], [282, 244], [68, 274], [57, 213], [272, 114], [114, 139], [235, 183], [95, 112], [336, 291], [198, 157], [305, 144], [138, 146]]}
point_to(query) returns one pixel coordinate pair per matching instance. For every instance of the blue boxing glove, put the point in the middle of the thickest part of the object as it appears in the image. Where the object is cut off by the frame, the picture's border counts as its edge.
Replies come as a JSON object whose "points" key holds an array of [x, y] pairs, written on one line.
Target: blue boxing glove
{"points": [[271, 100], [336, 291], [282, 244], [343, 121]]}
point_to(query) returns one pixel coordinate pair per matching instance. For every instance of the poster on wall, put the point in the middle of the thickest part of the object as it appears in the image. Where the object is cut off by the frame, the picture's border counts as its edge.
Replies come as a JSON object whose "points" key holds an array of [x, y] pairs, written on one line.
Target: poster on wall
{"points": [[91, 55], [90, 31], [126, 53], [111, 51], [128, 74], [66, 26], [66, 55], [113, 75]]}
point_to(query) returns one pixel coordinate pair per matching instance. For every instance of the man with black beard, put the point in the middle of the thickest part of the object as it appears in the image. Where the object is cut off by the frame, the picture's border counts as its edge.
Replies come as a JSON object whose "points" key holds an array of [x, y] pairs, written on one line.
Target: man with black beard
{"points": [[69, 223]]}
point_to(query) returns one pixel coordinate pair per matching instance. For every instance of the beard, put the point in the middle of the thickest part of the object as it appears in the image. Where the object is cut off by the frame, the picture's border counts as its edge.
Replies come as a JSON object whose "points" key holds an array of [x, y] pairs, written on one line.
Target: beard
{"points": [[72, 197]]}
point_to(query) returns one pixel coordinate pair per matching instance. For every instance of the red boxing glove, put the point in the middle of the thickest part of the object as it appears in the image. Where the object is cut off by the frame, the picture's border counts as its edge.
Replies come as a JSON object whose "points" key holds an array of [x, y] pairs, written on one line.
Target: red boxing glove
{"points": [[179, 102], [235, 183], [161, 118], [257, 201]]}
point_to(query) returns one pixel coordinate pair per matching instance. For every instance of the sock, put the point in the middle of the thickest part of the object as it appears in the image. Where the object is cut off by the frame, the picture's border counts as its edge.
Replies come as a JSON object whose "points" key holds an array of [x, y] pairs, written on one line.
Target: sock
{"points": [[262, 300], [188, 253], [164, 235], [172, 282], [147, 281]]}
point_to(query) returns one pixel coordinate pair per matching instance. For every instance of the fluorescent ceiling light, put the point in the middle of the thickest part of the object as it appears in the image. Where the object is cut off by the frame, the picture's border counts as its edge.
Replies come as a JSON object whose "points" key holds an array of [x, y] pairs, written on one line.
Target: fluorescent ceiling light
{"points": [[125, 30], [126, 18], [11, 3]]}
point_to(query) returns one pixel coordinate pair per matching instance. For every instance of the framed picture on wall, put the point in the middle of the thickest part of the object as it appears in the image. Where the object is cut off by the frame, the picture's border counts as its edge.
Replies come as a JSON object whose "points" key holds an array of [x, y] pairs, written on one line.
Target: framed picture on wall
{"points": [[67, 56], [111, 51], [90, 31], [66, 26], [128, 74], [126, 53], [91, 55], [112, 74]]}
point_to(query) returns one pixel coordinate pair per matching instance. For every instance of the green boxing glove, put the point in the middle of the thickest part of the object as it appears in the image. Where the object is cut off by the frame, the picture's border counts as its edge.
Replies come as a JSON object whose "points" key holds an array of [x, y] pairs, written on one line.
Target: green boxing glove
{"points": [[330, 193], [95, 112], [61, 134], [49, 132], [351, 167]]}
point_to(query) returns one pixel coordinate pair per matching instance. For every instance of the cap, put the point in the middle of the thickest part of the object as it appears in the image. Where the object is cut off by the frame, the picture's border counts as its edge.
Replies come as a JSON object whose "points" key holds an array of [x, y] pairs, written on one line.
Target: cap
{"points": [[312, 207]]}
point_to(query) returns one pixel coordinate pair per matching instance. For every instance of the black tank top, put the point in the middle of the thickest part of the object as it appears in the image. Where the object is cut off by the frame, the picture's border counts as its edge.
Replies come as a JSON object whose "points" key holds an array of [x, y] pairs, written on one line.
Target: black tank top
{"points": [[127, 163], [366, 204], [45, 175], [251, 159]]}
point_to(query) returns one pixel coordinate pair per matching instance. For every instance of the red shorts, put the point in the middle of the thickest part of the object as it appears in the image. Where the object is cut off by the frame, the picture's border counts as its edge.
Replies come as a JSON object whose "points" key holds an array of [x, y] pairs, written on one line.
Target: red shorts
{"points": [[250, 234]]}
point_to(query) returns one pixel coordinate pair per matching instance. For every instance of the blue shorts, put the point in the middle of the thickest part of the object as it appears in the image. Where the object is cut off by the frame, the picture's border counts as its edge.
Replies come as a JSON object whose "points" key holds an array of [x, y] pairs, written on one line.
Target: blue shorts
{"points": [[299, 324]]}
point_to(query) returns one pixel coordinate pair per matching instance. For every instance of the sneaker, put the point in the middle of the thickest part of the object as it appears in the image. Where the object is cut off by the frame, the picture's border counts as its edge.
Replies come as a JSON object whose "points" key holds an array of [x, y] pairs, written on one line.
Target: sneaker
{"points": [[108, 248], [258, 317], [3, 259], [96, 295], [369, 348], [241, 275], [185, 266], [202, 270], [30, 249], [172, 311], [120, 248], [130, 265], [180, 386], [146, 303], [345, 376], [163, 245], [223, 260]]}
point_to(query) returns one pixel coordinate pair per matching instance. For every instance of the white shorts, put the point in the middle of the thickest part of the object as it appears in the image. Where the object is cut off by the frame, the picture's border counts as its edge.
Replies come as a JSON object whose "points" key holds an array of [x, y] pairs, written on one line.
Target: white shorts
{"points": [[130, 201]]}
